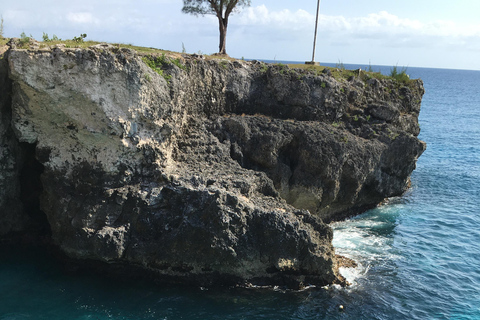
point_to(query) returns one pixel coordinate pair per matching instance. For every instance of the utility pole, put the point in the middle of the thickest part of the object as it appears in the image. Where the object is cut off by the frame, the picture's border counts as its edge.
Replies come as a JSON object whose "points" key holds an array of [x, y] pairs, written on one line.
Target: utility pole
{"points": [[315, 38]]}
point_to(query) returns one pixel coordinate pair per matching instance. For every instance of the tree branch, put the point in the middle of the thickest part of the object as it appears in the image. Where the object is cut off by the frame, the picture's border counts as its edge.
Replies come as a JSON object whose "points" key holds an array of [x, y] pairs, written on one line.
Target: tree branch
{"points": [[214, 6], [231, 5]]}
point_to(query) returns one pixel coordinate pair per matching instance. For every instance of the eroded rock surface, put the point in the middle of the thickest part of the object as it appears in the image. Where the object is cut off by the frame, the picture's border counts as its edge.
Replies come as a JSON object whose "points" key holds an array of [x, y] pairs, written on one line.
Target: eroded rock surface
{"points": [[217, 172]]}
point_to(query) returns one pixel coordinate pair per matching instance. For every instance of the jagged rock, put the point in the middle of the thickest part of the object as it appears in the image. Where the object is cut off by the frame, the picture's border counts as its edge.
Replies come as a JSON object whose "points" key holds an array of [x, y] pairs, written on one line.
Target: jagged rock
{"points": [[11, 211], [214, 172]]}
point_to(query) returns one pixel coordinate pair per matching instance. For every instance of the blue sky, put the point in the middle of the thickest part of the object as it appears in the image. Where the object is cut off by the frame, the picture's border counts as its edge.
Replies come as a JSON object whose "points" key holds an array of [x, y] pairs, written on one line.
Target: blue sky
{"points": [[416, 33]]}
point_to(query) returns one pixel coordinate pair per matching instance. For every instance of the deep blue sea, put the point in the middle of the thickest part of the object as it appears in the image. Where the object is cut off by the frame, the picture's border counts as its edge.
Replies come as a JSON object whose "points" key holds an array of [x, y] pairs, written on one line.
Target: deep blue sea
{"points": [[419, 255]]}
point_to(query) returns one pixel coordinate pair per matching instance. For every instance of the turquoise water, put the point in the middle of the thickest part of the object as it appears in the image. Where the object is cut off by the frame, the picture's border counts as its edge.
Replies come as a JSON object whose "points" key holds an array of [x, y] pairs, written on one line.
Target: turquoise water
{"points": [[419, 255]]}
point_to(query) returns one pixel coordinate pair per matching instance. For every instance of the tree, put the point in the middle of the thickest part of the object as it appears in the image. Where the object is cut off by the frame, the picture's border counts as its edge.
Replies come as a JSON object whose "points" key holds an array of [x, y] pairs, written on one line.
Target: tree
{"points": [[220, 8]]}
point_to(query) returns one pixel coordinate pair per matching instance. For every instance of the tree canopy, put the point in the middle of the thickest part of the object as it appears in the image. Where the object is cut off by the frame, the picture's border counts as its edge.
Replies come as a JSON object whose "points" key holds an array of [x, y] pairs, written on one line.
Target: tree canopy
{"points": [[220, 8]]}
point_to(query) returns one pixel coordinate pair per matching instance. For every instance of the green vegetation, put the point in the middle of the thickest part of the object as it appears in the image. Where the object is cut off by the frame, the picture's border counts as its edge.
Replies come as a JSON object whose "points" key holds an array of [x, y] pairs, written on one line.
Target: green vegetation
{"points": [[157, 64], [344, 74], [224, 64], [264, 68], [80, 42], [179, 64], [283, 68], [159, 59], [401, 76], [392, 135], [24, 39], [80, 39], [47, 39]]}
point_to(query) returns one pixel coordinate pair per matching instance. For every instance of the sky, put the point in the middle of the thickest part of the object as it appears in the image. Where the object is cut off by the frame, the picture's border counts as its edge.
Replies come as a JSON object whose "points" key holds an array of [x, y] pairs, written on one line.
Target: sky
{"points": [[407, 33]]}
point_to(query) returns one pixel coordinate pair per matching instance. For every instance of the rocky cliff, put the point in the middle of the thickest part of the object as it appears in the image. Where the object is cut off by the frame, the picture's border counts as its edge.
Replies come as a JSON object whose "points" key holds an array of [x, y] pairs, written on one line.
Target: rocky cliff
{"points": [[197, 170]]}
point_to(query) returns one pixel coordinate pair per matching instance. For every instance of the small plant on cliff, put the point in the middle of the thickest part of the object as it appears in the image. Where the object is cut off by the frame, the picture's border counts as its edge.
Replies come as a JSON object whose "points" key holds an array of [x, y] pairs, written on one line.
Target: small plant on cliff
{"points": [[47, 39], [283, 68], [264, 68], [179, 64], [80, 39], [401, 75], [224, 64], [24, 39], [156, 64]]}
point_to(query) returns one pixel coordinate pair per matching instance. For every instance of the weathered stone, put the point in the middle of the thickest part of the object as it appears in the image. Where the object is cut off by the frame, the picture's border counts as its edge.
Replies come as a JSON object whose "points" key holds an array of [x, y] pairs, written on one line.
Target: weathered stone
{"points": [[218, 173]]}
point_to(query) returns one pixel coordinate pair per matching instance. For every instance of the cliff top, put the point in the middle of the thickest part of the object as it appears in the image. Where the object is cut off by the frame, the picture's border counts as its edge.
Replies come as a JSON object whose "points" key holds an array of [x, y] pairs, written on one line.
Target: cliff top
{"points": [[339, 73]]}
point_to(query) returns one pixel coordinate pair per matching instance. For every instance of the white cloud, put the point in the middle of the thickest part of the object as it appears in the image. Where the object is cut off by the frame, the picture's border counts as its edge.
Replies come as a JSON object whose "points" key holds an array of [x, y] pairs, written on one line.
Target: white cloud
{"points": [[382, 37], [284, 19], [381, 25], [82, 18]]}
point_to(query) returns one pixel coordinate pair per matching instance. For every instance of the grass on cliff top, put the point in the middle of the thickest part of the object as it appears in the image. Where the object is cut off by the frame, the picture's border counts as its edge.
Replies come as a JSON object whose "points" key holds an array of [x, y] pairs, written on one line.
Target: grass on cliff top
{"points": [[83, 44], [344, 74], [337, 73]]}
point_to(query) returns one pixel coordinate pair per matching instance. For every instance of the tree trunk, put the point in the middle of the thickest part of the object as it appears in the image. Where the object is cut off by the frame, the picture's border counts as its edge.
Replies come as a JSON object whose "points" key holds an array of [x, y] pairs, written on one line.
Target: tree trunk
{"points": [[223, 35]]}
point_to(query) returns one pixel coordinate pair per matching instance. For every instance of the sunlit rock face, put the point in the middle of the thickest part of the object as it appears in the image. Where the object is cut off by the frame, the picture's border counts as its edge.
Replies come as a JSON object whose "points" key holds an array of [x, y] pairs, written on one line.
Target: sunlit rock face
{"points": [[210, 171]]}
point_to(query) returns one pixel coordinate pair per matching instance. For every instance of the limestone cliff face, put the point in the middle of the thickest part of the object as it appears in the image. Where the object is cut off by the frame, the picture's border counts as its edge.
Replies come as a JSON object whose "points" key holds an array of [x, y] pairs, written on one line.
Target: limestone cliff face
{"points": [[12, 216], [218, 172]]}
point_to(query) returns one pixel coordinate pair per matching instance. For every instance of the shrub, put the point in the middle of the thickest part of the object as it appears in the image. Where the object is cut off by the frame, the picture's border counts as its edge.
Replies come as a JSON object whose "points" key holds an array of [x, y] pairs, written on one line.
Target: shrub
{"points": [[45, 37], [401, 76], [179, 64], [24, 39], [156, 64], [80, 39]]}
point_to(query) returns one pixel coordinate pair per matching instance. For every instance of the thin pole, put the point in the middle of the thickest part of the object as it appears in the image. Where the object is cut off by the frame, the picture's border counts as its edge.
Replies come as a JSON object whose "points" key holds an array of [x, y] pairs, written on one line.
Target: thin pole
{"points": [[315, 37]]}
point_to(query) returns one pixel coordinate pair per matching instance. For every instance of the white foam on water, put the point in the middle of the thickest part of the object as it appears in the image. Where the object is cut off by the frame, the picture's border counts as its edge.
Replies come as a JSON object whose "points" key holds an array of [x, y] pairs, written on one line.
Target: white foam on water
{"points": [[366, 239], [351, 274]]}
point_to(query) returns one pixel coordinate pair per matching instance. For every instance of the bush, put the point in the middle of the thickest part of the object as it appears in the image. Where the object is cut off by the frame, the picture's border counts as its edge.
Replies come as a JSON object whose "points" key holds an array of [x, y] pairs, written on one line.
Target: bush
{"points": [[156, 64], [80, 39], [401, 76], [24, 39]]}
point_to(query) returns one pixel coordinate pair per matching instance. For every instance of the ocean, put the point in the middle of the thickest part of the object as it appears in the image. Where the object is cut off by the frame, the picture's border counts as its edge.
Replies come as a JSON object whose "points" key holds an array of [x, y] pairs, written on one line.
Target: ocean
{"points": [[418, 255]]}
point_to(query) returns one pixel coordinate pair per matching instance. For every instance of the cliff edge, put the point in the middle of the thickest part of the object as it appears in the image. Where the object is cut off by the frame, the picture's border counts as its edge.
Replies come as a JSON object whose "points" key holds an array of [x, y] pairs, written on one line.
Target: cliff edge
{"points": [[197, 170]]}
